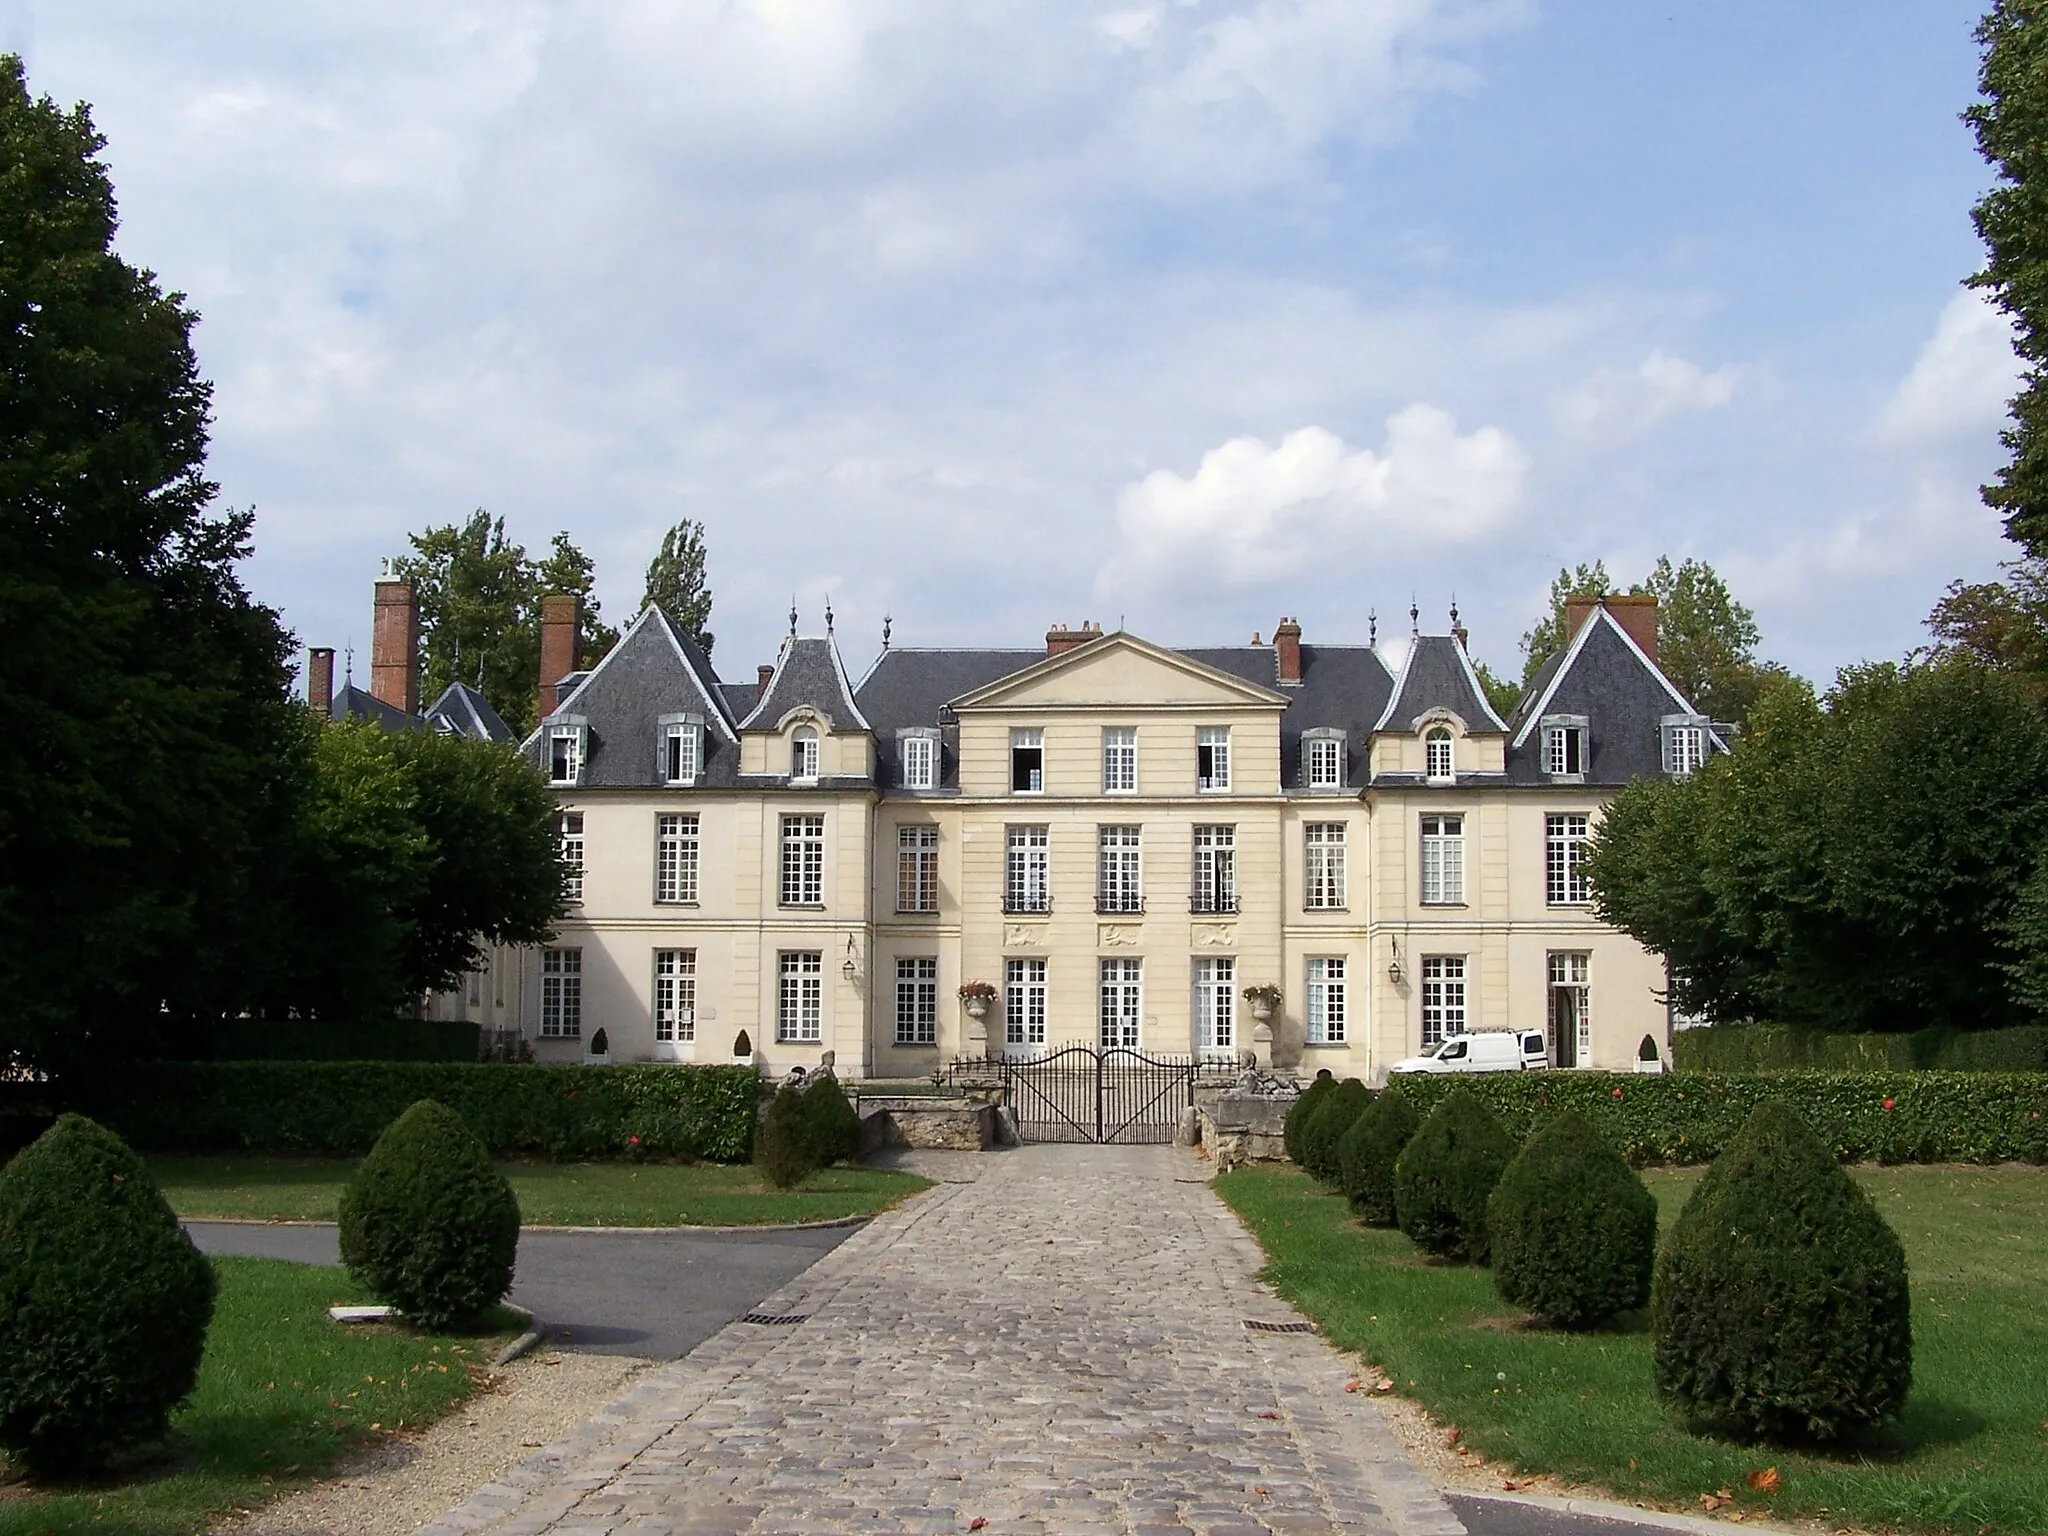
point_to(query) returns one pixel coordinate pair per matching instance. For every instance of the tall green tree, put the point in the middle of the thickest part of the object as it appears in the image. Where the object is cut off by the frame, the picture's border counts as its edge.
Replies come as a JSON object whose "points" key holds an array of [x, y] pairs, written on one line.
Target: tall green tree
{"points": [[2001, 624], [677, 582], [480, 598], [150, 738], [2010, 120]]}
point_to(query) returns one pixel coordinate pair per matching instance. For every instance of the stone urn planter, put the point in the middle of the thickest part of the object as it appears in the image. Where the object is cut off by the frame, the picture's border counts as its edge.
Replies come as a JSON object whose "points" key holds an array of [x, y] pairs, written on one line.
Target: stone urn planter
{"points": [[1263, 1003], [977, 997]]}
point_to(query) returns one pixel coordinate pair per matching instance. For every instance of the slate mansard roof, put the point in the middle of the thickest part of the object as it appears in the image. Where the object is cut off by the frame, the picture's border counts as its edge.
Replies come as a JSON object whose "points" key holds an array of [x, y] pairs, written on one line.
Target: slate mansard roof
{"points": [[460, 711], [1601, 676]]}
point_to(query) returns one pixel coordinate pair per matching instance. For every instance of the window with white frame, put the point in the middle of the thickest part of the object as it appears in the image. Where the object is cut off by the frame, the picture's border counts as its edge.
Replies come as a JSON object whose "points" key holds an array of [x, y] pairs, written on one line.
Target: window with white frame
{"points": [[1685, 744], [675, 995], [1564, 855], [1443, 861], [803, 753], [918, 750], [1322, 865], [917, 869], [1436, 754], [1564, 746], [800, 1007], [1443, 998], [917, 1000], [1323, 1021], [803, 861], [682, 749], [1212, 757], [1118, 883], [675, 857], [1323, 759], [1119, 760], [561, 994], [1122, 1003], [1023, 1004], [1027, 762], [1215, 1005], [569, 839], [565, 753], [1215, 888], [1027, 880]]}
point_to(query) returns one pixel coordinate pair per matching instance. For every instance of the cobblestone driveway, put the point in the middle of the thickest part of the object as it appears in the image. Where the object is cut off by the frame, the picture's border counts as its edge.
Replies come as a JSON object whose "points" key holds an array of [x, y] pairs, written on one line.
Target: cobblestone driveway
{"points": [[1056, 1347]]}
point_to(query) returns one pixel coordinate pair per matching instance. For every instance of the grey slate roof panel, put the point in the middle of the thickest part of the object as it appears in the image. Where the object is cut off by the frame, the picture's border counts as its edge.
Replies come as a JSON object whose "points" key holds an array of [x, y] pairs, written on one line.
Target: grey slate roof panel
{"points": [[1624, 701], [353, 703], [1342, 687], [463, 711], [907, 688], [1436, 676], [808, 674]]}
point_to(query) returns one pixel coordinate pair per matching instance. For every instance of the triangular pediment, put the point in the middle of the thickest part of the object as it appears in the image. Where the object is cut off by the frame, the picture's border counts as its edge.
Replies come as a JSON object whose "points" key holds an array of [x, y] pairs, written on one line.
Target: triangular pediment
{"points": [[1120, 671]]}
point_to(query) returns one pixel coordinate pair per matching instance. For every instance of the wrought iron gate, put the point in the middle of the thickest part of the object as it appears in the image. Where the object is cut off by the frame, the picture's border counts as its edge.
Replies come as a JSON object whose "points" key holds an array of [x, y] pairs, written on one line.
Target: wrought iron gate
{"points": [[1113, 1095]]}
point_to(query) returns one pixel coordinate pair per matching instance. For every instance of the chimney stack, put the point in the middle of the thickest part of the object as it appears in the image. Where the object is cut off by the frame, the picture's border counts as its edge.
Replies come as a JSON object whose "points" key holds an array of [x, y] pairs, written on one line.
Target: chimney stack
{"points": [[1636, 612], [561, 635], [1287, 649], [395, 646], [1060, 639], [320, 681], [763, 676], [1576, 611]]}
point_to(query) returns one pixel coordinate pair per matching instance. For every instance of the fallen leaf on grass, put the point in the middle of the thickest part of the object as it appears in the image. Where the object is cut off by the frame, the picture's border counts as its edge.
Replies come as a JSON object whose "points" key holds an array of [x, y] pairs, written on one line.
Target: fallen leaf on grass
{"points": [[1516, 1484], [1765, 1481], [1351, 1385], [1713, 1501], [1385, 1386], [1453, 1435]]}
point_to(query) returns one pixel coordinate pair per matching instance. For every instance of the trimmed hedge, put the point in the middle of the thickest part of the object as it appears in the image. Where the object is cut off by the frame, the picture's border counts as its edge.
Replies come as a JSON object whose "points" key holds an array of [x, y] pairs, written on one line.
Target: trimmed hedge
{"points": [[1368, 1153], [1445, 1176], [1303, 1108], [1935, 1117], [340, 1108], [785, 1150], [1780, 1047], [1327, 1122], [1572, 1229], [830, 1121]]}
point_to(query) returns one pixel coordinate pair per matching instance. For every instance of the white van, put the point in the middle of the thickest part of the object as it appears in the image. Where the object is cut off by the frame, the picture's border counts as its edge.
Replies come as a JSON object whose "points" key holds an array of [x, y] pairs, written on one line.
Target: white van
{"points": [[1492, 1050]]}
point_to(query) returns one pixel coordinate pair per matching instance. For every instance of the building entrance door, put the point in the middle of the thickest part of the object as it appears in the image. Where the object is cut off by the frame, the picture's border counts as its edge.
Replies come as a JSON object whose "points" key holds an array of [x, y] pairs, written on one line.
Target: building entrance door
{"points": [[1571, 1028]]}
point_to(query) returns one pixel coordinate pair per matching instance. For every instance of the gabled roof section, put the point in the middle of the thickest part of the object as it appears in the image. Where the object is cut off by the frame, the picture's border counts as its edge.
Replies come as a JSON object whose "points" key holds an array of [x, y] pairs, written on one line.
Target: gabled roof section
{"points": [[462, 711], [1541, 698], [1233, 685], [1437, 674], [808, 674], [908, 689], [1342, 687], [353, 703]]}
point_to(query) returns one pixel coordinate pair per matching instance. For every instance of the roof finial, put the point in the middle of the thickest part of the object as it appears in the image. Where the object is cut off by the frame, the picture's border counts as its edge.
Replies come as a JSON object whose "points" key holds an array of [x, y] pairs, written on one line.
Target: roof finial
{"points": [[348, 665], [792, 615], [828, 613], [886, 622], [1372, 626], [1414, 616]]}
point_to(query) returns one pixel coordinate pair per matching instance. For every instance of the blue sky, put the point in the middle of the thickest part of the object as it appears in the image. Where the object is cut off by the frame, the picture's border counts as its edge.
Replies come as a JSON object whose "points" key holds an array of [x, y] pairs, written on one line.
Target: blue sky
{"points": [[989, 315]]}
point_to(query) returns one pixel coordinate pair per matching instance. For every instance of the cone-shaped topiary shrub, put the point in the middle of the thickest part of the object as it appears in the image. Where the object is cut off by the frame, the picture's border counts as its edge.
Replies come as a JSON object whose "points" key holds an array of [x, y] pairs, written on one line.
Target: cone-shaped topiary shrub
{"points": [[833, 1126], [1326, 1127], [1367, 1153], [1571, 1228], [783, 1146], [1445, 1175], [104, 1302], [1780, 1308], [427, 1222], [1298, 1114]]}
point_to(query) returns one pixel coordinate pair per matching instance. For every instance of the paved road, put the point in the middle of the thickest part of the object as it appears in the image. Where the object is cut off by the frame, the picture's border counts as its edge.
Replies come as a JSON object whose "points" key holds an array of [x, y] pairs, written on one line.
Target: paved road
{"points": [[1058, 1347], [657, 1295]]}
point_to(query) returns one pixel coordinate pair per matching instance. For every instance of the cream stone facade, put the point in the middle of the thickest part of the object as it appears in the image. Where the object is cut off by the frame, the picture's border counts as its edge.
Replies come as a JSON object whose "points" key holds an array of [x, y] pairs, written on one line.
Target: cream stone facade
{"points": [[1118, 838]]}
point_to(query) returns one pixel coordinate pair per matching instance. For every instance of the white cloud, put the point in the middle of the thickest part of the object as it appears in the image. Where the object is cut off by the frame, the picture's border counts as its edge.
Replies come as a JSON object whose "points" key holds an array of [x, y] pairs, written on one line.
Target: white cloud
{"points": [[1960, 382], [1618, 402], [1254, 514]]}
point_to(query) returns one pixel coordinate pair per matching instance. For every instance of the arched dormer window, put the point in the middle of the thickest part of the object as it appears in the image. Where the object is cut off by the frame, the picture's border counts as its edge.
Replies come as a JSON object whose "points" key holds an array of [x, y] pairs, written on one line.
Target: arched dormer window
{"points": [[803, 753], [1436, 753]]}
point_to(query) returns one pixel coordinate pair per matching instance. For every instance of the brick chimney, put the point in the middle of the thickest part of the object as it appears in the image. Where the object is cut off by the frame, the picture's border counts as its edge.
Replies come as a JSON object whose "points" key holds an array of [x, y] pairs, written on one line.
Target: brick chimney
{"points": [[1287, 649], [561, 634], [395, 647], [1637, 613], [763, 676], [320, 680], [1060, 639], [1576, 611]]}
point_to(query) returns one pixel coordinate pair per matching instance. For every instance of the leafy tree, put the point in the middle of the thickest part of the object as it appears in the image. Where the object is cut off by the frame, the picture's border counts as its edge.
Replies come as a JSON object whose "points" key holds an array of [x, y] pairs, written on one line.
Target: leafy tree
{"points": [[150, 741], [1503, 693], [676, 582], [2012, 220], [1855, 866], [1999, 623], [480, 598], [1547, 636]]}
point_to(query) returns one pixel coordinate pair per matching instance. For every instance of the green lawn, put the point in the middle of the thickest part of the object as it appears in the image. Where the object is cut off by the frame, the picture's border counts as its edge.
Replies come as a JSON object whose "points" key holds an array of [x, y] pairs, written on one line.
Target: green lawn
{"points": [[550, 1194], [282, 1393], [1969, 1455]]}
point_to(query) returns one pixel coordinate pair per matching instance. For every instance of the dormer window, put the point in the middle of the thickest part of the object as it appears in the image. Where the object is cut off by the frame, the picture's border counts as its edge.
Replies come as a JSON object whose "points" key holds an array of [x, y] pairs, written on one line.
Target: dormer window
{"points": [[803, 754], [1685, 744], [567, 739], [681, 743], [1564, 746], [1436, 755], [1212, 757], [918, 750], [1322, 759], [1027, 762]]}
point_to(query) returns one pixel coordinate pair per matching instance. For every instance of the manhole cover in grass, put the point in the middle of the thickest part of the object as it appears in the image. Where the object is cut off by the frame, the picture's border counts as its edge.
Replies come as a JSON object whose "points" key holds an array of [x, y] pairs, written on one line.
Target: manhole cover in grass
{"points": [[777, 1319], [1257, 1326]]}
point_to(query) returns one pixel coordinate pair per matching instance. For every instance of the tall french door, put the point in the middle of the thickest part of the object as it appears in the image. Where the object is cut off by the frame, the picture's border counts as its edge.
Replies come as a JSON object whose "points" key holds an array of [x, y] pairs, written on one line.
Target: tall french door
{"points": [[1123, 1003], [1571, 1014], [1215, 1006]]}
